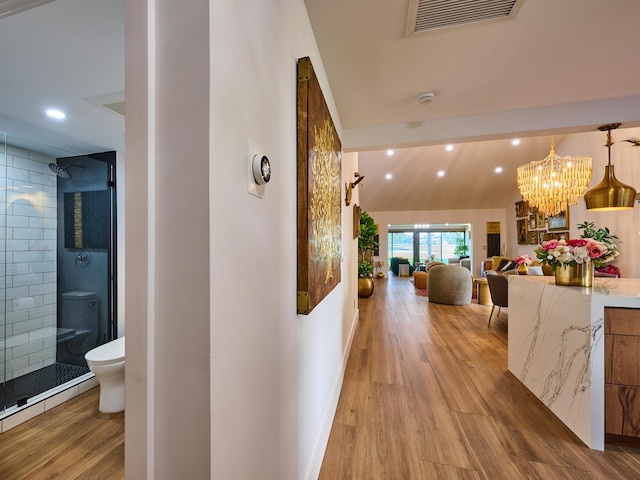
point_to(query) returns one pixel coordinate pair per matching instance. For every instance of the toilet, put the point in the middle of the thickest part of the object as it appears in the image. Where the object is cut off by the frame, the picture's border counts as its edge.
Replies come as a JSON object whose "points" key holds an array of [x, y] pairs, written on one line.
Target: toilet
{"points": [[107, 364]]}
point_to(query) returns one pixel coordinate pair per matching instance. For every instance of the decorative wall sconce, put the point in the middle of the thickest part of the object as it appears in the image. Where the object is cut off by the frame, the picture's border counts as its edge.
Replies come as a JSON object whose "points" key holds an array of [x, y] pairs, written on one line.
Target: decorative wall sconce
{"points": [[350, 186], [610, 193]]}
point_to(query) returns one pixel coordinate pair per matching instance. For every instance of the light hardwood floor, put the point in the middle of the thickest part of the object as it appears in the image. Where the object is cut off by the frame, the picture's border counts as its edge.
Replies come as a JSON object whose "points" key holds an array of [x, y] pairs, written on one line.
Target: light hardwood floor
{"points": [[69, 442], [427, 395]]}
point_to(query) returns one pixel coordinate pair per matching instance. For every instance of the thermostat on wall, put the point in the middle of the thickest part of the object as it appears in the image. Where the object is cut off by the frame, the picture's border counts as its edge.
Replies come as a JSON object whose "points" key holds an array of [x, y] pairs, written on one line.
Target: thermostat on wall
{"points": [[258, 170], [261, 169]]}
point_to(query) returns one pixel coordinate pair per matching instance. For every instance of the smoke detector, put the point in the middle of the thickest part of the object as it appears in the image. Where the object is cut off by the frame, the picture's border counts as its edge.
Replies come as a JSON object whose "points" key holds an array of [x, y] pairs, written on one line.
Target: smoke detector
{"points": [[425, 98]]}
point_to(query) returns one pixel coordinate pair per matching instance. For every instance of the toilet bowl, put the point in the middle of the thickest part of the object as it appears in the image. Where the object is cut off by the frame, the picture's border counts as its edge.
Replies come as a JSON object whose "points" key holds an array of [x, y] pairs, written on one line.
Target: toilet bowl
{"points": [[107, 364]]}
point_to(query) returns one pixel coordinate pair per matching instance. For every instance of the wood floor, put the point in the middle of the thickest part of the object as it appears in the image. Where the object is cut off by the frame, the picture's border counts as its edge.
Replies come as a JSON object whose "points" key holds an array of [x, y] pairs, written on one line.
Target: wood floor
{"points": [[71, 441], [427, 395]]}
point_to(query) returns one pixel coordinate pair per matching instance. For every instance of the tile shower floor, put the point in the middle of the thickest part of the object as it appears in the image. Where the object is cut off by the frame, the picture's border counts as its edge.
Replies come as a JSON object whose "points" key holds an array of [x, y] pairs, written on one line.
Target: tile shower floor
{"points": [[34, 383]]}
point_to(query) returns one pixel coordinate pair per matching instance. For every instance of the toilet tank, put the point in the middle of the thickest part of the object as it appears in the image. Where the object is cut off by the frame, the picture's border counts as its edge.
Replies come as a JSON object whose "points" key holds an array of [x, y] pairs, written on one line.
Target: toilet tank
{"points": [[79, 311]]}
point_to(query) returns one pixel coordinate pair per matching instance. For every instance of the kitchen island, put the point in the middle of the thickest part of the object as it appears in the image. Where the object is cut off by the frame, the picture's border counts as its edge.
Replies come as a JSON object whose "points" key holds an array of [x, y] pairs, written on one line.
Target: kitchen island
{"points": [[556, 346]]}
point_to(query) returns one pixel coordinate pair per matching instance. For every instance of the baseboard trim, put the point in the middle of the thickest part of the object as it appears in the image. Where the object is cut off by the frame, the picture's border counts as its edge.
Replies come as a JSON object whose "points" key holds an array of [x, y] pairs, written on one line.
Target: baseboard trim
{"points": [[323, 437]]}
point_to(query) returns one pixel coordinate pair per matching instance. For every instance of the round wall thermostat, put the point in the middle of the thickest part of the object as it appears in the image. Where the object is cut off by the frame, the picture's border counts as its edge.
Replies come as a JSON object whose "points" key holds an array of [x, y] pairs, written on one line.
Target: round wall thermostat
{"points": [[261, 169]]}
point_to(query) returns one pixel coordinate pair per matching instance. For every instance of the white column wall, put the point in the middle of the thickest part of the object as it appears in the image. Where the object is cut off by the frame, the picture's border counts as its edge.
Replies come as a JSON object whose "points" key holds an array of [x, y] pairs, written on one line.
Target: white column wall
{"points": [[167, 241]]}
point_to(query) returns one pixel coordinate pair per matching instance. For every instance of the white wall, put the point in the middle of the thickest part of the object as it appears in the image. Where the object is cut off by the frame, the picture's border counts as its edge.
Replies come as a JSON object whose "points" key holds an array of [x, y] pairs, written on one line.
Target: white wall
{"points": [[476, 218], [273, 378], [28, 268], [625, 223]]}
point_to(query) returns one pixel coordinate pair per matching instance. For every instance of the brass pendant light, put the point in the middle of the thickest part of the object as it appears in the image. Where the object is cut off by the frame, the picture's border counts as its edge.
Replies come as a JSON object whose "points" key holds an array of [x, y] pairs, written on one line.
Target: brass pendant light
{"points": [[610, 193]]}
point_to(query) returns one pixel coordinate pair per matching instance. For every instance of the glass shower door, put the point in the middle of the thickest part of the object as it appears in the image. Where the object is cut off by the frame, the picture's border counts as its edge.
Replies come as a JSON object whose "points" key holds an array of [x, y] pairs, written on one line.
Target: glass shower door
{"points": [[3, 317], [56, 269], [86, 292]]}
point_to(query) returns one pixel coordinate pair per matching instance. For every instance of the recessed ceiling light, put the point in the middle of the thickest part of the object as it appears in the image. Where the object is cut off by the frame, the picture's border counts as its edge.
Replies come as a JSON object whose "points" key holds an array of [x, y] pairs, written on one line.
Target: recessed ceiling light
{"points": [[515, 141], [57, 114], [498, 170], [449, 148], [389, 152], [441, 173], [388, 176]]}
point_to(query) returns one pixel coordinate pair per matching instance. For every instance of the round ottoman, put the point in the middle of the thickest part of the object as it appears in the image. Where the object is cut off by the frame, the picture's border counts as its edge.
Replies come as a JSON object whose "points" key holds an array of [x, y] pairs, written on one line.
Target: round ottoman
{"points": [[449, 285], [420, 280]]}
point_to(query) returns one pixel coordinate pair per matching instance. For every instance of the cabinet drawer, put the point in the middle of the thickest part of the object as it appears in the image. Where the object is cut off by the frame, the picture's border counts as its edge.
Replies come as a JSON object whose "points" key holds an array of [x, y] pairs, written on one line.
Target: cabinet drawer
{"points": [[622, 321], [622, 360], [622, 410]]}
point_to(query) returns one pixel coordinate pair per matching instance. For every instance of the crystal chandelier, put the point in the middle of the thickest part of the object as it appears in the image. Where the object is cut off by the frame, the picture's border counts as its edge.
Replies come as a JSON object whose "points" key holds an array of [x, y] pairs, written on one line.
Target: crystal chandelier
{"points": [[552, 184]]}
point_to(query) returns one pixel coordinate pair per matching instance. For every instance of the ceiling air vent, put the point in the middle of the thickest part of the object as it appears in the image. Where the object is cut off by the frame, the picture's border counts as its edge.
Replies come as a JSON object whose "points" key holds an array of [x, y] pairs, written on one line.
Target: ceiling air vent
{"points": [[113, 103], [10, 7], [427, 15]]}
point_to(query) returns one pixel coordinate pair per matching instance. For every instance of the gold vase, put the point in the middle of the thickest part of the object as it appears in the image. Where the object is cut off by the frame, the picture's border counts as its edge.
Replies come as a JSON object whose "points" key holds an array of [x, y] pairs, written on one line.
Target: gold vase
{"points": [[579, 275], [523, 269], [365, 287]]}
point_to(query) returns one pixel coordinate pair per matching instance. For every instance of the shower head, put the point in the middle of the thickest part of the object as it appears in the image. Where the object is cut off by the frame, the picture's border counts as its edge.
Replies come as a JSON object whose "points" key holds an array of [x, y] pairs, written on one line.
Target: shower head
{"points": [[61, 171]]}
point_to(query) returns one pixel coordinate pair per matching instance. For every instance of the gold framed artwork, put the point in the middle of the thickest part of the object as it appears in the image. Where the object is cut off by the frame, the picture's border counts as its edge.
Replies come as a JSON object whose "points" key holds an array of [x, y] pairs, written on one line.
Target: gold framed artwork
{"points": [[532, 237], [542, 236], [521, 208], [557, 235], [319, 187], [540, 220], [522, 231], [532, 222], [559, 221]]}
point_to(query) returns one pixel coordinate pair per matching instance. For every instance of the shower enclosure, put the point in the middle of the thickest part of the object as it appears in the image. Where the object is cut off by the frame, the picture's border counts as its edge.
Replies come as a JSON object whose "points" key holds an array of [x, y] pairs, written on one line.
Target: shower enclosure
{"points": [[57, 268]]}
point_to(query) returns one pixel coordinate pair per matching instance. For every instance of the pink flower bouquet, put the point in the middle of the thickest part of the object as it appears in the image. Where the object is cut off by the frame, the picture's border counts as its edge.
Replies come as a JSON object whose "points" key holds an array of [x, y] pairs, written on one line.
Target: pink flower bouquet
{"points": [[579, 250]]}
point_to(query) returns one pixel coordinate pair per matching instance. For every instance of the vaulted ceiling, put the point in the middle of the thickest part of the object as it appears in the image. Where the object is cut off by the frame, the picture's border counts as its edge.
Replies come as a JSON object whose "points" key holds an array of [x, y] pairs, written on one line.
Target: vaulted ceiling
{"points": [[551, 67]]}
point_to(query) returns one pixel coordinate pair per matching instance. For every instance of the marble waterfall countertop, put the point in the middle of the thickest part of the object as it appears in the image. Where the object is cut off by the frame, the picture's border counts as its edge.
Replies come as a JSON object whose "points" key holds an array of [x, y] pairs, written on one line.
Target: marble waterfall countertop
{"points": [[556, 345]]}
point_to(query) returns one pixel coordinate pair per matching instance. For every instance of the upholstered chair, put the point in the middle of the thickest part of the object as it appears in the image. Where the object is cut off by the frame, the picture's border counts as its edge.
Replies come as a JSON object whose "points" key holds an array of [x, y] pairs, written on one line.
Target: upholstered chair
{"points": [[499, 290], [449, 285]]}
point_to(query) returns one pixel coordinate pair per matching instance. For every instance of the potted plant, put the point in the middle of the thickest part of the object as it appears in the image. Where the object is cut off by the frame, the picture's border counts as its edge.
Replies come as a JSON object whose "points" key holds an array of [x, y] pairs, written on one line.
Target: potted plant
{"points": [[603, 235], [461, 248], [366, 244], [573, 261]]}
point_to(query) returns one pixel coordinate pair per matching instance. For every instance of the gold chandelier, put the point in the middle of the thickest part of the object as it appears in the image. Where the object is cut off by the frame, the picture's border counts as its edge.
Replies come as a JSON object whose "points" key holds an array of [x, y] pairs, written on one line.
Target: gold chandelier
{"points": [[552, 184]]}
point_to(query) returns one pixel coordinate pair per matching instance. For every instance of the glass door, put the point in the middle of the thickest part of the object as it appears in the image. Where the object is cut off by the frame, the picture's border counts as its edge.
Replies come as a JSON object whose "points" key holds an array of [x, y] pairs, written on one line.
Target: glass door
{"points": [[85, 257], [3, 285], [57, 259]]}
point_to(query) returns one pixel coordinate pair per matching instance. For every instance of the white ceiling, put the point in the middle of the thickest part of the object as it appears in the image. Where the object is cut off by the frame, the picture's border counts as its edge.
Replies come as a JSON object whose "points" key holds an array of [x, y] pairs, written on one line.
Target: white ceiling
{"points": [[558, 66], [63, 54]]}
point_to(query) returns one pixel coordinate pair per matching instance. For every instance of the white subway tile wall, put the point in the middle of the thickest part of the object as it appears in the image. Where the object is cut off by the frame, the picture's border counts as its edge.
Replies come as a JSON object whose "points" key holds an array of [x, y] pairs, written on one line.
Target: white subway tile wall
{"points": [[28, 233]]}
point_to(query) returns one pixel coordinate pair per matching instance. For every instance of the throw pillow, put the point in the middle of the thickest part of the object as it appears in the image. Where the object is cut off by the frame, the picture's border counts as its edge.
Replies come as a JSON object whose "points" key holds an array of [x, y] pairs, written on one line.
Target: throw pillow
{"points": [[508, 266], [503, 263], [495, 262], [535, 270]]}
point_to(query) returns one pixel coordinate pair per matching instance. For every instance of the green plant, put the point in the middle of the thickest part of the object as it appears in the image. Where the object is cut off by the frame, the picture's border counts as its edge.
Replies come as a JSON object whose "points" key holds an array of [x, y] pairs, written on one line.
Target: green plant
{"points": [[368, 232], [600, 235], [365, 270], [461, 247]]}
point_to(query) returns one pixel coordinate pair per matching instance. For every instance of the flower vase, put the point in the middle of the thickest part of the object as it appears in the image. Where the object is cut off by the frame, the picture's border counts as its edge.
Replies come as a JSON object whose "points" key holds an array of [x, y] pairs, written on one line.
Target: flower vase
{"points": [[578, 275], [523, 269], [365, 287]]}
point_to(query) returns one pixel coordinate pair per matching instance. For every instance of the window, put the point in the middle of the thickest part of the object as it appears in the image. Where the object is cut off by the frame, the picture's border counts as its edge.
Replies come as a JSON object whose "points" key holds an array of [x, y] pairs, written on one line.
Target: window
{"points": [[422, 245], [401, 245]]}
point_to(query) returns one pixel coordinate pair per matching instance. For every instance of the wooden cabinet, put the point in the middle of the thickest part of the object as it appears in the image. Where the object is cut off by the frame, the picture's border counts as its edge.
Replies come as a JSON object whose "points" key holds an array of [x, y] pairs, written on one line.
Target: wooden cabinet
{"points": [[622, 371]]}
